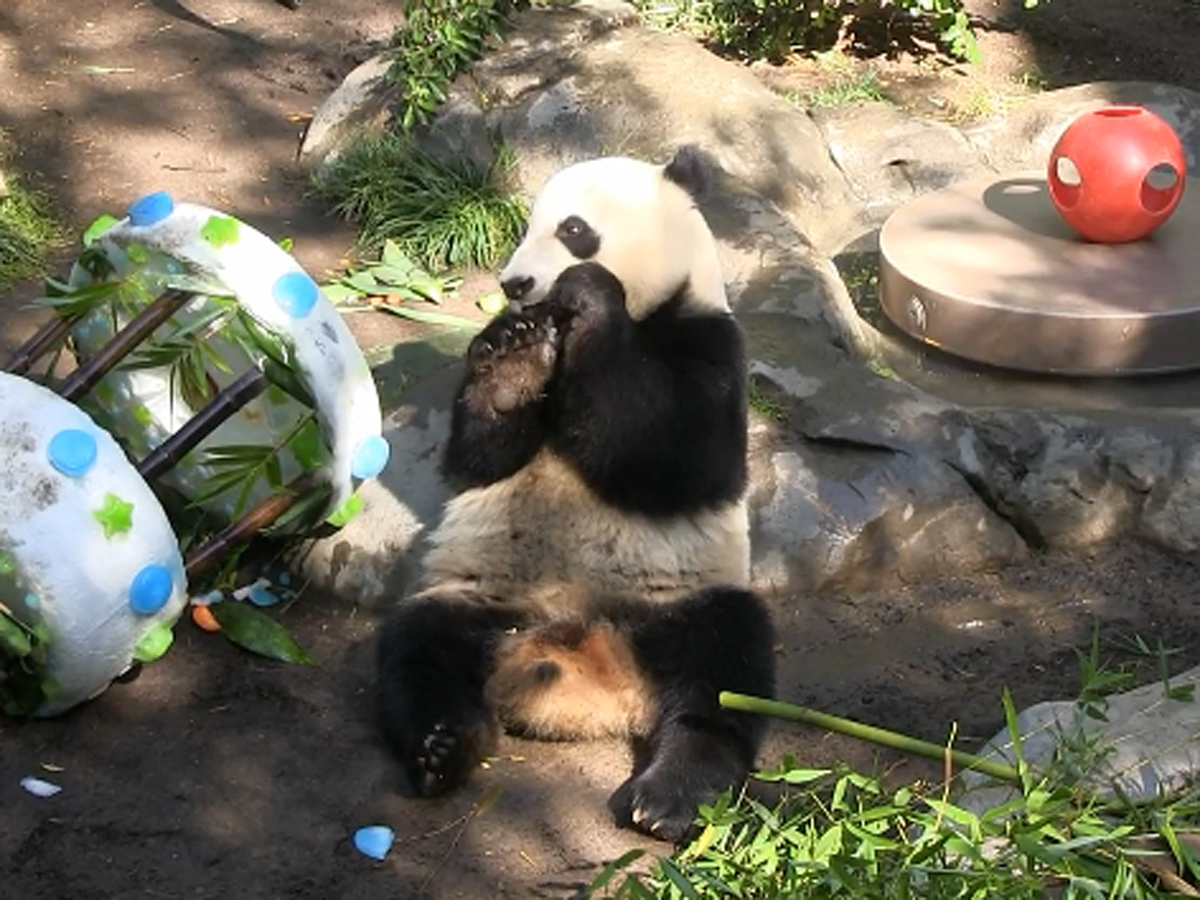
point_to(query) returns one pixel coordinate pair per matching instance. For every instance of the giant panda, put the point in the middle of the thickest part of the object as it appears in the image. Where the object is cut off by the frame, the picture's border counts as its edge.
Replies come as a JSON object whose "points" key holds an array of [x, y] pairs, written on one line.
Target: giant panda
{"points": [[590, 576]]}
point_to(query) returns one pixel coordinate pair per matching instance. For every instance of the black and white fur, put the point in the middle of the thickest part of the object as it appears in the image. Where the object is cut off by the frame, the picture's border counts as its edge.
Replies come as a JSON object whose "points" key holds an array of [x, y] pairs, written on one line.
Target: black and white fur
{"points": [[590, 577]]}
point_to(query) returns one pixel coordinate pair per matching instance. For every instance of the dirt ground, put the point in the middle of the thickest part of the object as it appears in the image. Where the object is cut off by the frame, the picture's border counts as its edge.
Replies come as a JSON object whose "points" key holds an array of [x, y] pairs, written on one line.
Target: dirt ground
{"points": [[218, 774]]}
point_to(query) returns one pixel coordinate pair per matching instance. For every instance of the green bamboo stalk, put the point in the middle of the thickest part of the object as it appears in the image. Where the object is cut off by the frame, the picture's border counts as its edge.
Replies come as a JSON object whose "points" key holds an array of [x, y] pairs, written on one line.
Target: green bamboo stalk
{"points": [[902, 742]]}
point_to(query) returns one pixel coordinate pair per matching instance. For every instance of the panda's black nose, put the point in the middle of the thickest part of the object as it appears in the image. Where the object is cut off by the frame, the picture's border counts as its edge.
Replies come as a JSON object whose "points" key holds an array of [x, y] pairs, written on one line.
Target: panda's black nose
{"points": [[517, 287]]}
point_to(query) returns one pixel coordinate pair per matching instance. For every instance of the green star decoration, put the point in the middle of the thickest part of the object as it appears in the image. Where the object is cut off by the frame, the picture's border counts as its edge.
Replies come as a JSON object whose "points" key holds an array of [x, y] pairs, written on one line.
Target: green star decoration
{"points": [[114, 515], [220, 230]]}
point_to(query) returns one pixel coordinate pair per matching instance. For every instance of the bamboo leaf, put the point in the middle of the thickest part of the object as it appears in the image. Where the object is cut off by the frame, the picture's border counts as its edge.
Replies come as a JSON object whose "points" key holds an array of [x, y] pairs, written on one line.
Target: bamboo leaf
{"points": [[432, 318], [339, 293], [218, 486], [227, 453], [308, 445], [678, 879], [274, 472], [393, 256], [303, 514], [392, 275], [257, 632], [362, 280], [67, 300]]}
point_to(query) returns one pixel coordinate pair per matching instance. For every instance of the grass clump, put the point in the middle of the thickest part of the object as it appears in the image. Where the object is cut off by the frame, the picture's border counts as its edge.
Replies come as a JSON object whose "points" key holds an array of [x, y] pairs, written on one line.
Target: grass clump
{"points": [[440, 214], [27, 231], [844, 89], [774, 29], [439, 39]]}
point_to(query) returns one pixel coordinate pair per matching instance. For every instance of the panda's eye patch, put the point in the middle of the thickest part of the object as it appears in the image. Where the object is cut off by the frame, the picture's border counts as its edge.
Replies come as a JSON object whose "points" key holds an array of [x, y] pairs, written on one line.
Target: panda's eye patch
{"points": [[578, 237]]}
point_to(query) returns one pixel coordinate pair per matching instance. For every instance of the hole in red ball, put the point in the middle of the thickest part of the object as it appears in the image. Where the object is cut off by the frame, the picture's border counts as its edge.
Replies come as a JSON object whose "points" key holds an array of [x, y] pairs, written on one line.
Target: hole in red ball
{"points": [[1116, 112], [1067, 171], [1158, 188], [1162, 177], [1066, 185]]}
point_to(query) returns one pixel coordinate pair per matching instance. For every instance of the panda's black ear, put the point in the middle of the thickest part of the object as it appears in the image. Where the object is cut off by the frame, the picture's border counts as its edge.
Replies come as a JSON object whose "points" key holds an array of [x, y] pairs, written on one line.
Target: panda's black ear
{"points": [[689, 169]]}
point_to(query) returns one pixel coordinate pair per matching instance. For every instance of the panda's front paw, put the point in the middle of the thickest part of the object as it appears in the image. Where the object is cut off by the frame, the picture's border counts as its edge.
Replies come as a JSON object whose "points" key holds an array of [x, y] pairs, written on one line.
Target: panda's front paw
{"points": [[585, 296], [511, 360], [444, 758]]}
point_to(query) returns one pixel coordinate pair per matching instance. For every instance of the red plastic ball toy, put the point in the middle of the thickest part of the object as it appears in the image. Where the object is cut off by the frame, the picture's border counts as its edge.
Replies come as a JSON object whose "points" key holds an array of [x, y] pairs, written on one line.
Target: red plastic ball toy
{"points": [[1117, 173]]}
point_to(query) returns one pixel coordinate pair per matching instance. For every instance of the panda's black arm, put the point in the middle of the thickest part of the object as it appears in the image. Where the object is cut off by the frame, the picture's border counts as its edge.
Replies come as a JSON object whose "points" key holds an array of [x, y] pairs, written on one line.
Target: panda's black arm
{"points": [[653, 413], [498, 419]]}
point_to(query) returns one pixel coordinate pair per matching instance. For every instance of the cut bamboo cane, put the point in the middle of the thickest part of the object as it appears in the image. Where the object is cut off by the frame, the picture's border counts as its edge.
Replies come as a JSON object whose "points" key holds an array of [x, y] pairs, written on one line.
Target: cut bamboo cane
{"points": [[122, 344], [207, 420]]}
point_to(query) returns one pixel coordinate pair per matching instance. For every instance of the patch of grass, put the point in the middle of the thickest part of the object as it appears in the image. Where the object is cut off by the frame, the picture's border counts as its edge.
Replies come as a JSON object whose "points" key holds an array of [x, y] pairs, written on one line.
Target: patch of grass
{"points": [[985, 101], [860, 87], [774, 29], [27, 231], [437, 40], [765, 401], [688, 16], [441, 215]]}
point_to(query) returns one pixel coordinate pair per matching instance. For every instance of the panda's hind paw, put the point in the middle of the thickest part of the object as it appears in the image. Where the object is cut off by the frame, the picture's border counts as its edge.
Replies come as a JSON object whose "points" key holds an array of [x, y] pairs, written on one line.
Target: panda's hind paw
{"points": [[663, 808], [663, 800], [445, 757]]}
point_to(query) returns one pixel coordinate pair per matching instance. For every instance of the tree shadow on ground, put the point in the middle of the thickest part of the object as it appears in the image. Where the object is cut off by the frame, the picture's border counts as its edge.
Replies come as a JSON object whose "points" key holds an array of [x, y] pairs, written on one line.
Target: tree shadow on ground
{"points": [[1077, 41]]}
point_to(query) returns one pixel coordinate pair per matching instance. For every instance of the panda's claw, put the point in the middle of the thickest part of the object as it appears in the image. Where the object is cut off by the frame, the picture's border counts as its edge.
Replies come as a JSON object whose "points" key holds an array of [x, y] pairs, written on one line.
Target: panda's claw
{"points": [[509, 335], [511, 361], [664, 798]]}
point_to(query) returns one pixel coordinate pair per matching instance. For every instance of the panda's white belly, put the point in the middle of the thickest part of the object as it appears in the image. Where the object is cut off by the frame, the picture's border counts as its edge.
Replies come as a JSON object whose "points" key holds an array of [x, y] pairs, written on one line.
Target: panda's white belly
{"points": [[542, 538]]}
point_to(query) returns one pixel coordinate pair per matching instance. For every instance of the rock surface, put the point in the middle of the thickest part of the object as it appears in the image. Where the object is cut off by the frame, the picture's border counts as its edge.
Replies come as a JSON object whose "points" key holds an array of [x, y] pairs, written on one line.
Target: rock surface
{"points": [[1137, 745]]}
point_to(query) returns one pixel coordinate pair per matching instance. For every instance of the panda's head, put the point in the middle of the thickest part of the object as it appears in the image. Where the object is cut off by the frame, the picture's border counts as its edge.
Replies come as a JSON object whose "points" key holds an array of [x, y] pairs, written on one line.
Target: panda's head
{"points": [[636, 219]]}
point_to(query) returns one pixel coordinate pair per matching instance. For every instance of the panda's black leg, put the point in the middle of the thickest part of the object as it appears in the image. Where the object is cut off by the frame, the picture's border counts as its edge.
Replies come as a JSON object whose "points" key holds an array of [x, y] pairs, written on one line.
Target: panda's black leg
{"points": [[434, 658], [717, 639], [497, 423]]}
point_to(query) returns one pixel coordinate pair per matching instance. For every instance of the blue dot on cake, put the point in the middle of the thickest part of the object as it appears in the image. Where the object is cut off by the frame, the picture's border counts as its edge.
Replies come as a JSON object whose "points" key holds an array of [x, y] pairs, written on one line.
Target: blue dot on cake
{"points": [[150, 590], [296, 293], [151, 209], [370, 457], [72, 451]]}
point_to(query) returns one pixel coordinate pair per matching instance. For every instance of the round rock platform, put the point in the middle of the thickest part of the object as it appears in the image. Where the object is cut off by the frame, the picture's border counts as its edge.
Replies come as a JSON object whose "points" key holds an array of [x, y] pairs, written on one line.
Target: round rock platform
{"points": [[988, 270]]}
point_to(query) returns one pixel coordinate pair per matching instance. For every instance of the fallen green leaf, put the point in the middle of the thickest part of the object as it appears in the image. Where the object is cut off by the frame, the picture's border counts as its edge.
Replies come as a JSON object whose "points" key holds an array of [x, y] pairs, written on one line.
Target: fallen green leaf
{"points": [[257, 632], [430, 318]]}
